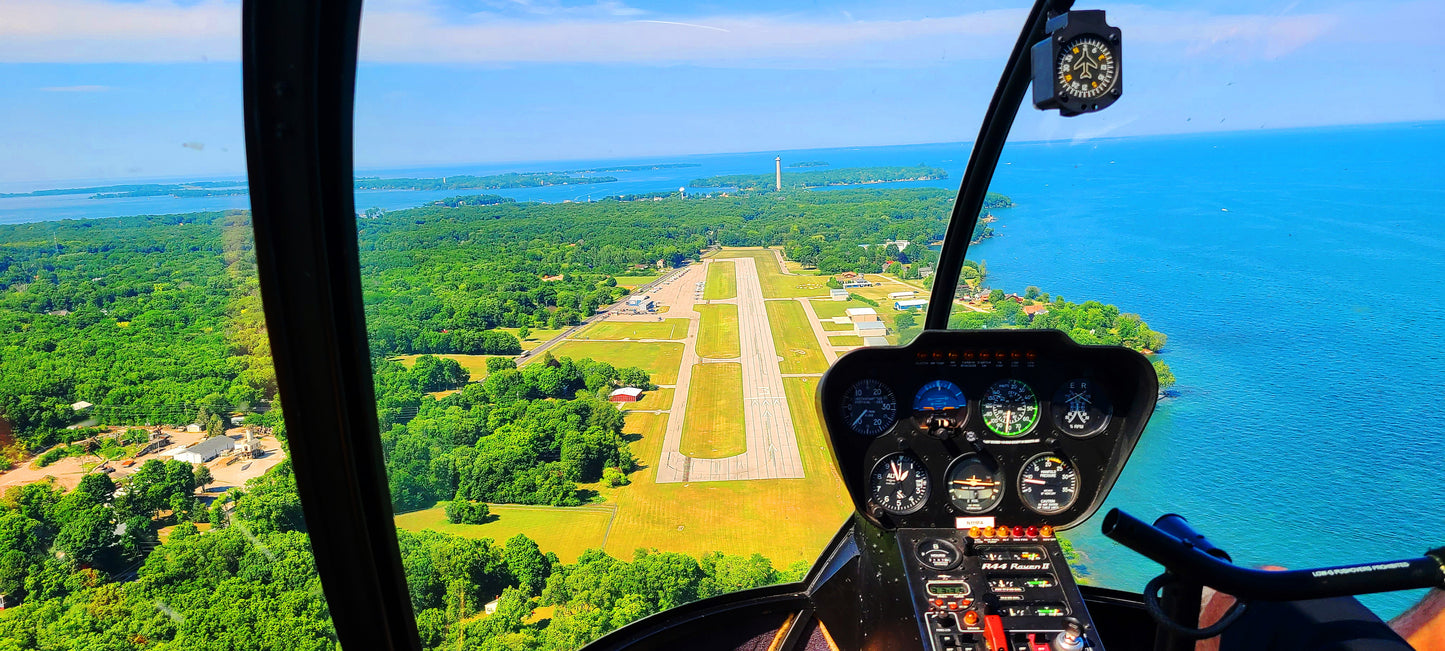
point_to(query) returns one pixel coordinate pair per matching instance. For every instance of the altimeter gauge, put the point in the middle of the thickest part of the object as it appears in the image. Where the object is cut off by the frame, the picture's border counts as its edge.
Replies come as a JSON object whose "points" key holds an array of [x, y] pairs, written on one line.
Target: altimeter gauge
{"points": [[899, 484]]}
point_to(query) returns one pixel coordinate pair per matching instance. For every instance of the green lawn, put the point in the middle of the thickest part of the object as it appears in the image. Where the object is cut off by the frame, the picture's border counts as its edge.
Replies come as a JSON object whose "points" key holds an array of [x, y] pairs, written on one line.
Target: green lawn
{"points": [[660, 359], [664, 329], [654, 399], [474, 364], [722, 281], [635, 281], [793, 336], [829, 309], [567, 531], [712, 428], [696, 518], [775, 283], [718, 336], [536, 337], [829, 326], [845, 340]]}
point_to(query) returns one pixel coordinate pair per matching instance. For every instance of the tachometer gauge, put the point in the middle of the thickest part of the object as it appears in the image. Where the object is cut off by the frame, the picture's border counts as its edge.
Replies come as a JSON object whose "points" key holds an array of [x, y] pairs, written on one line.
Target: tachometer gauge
{"points": [[1081, 409], [899, 484], [939, 395], [1049, 483], [869, 407], [1010, 408], [974, 485]]}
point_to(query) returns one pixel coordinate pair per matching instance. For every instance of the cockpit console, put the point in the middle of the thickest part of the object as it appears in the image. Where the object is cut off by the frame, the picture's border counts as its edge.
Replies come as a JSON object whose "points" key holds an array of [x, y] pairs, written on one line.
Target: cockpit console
{"points": [[964, 454]]}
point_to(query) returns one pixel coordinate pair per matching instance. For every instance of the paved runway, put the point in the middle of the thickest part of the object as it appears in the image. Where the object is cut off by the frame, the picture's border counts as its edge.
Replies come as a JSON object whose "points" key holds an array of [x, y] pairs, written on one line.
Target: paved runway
{"points": [[772, 445]]}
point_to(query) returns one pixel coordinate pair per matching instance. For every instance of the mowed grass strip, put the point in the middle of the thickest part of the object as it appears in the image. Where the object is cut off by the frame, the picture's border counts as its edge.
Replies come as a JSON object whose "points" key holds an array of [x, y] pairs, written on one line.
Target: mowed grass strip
{"points": [[777, 284], [712, 428], [659, 359], [829, 326], [722, 280], [846, 340], [786, 520], [567, 531], [793, 336], [474, 364], [535, 338], [664, 329], [635, 281], [718, 337]]}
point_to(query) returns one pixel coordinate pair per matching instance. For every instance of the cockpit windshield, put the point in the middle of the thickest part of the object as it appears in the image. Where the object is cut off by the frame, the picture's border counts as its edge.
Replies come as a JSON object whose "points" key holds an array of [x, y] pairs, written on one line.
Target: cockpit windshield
{"points": [[608, 251]]}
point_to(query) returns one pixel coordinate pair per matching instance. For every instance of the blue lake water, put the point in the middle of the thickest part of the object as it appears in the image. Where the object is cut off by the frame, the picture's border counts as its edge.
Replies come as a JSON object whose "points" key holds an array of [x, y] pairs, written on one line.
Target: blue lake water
{"points": [[1297, 273]]}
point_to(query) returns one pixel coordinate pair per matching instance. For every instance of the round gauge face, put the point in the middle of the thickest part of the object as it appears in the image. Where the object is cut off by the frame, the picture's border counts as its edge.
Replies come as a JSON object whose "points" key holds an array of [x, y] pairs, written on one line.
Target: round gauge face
{"points": [[1049, 483], [939, 395], [869, 407], [1010, 408], [974, 485], [1087, 67], [899, 484], [1081, 409]]}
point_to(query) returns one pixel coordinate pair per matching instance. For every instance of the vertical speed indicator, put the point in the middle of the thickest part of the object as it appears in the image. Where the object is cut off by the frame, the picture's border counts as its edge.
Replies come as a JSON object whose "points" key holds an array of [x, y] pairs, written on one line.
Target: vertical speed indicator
{"points": [[869, 407]]}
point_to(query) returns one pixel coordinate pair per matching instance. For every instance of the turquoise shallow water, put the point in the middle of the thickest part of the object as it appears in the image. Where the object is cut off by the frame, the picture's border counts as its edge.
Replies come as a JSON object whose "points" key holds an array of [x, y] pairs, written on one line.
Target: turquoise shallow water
{"points": [[1298, 275]]}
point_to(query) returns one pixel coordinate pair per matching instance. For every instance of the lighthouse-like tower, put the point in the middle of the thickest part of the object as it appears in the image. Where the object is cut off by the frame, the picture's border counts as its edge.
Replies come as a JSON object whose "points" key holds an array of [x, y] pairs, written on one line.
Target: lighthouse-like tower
{"points": [[778, 182]]}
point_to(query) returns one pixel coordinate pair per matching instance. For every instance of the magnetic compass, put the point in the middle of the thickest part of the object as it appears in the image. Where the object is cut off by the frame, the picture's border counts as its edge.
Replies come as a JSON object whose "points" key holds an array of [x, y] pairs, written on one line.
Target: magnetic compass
{"points": [[1079, 68]]}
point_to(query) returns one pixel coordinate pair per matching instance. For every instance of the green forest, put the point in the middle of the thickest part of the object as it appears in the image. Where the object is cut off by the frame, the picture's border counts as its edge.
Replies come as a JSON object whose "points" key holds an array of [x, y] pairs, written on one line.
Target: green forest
{"points": [[158, 320]]}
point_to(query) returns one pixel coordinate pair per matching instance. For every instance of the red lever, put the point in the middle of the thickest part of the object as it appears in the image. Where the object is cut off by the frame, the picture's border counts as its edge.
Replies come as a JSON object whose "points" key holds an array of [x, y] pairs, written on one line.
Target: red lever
{"points": [[993, 633]]}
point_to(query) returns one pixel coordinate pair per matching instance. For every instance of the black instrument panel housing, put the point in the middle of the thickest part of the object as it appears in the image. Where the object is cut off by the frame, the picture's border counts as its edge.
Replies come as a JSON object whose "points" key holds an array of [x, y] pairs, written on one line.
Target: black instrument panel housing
{"points": [[1045, 360]]}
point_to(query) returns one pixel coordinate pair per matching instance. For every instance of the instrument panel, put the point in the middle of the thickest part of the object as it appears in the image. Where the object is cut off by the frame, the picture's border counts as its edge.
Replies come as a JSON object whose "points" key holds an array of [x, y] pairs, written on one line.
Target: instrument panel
{"points": [[973, 428]]}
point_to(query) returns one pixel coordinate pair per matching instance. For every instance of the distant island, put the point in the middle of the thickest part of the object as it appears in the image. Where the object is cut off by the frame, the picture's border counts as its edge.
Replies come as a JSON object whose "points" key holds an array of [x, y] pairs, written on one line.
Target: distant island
{"points": [[633, 168], [510, 180], [823, 178], [810, 163], [192, 189]]}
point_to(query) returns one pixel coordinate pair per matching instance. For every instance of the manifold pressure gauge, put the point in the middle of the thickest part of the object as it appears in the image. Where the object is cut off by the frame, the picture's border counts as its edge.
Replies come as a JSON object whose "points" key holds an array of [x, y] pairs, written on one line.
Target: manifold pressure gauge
{"points": [[1079, 68]]}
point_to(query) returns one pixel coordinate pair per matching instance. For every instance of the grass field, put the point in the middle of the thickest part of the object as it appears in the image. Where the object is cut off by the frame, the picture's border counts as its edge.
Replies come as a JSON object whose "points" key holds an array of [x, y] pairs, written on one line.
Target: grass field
{"points": [[829, 326], [845, 340], [830, 309], [535, 338], [635, 281], [567, 531], [474, 364], [664, 329], [696, 518], [712, 428], [660, 359], [775, 283], [718, 336], [654, 399], [794, 338], [722, 281]]}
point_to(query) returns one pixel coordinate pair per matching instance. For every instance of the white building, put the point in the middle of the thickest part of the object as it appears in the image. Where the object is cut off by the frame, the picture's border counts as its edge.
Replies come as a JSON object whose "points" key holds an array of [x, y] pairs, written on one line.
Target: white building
{"points": [[875, 341], [859, 314], [895, 296], [206, 450], [915, 304], [870, 329], [641, 303], [838, 294]]}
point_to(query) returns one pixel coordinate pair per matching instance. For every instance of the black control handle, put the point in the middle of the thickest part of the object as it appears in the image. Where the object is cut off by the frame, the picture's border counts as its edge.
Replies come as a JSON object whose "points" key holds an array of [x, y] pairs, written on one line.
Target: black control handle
{"points": [[1188, 555]]}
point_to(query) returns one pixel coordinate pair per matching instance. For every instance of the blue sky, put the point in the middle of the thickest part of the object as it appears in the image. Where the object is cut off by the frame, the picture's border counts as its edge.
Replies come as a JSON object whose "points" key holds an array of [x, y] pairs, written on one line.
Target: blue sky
{"points": [[97, 89]]}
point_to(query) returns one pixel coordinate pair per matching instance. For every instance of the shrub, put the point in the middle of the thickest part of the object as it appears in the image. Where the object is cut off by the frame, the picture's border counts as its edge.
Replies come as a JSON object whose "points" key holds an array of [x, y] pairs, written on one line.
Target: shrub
{"points": [[467, 512]]}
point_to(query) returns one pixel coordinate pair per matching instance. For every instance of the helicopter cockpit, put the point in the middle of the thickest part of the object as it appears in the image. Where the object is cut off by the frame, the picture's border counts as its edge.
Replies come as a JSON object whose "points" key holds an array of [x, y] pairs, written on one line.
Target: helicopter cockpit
{"points": [[548, 285]]}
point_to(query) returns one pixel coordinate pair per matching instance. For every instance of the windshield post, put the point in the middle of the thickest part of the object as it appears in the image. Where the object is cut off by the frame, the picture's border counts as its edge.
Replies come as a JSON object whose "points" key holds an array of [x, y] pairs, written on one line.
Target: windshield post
{"points": [[986, 150]]}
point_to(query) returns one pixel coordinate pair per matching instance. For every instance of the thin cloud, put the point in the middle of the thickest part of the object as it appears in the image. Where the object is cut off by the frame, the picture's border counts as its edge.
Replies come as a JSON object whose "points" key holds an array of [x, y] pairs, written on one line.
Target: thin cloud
{"points": [[75, 89], [606, 31]]}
